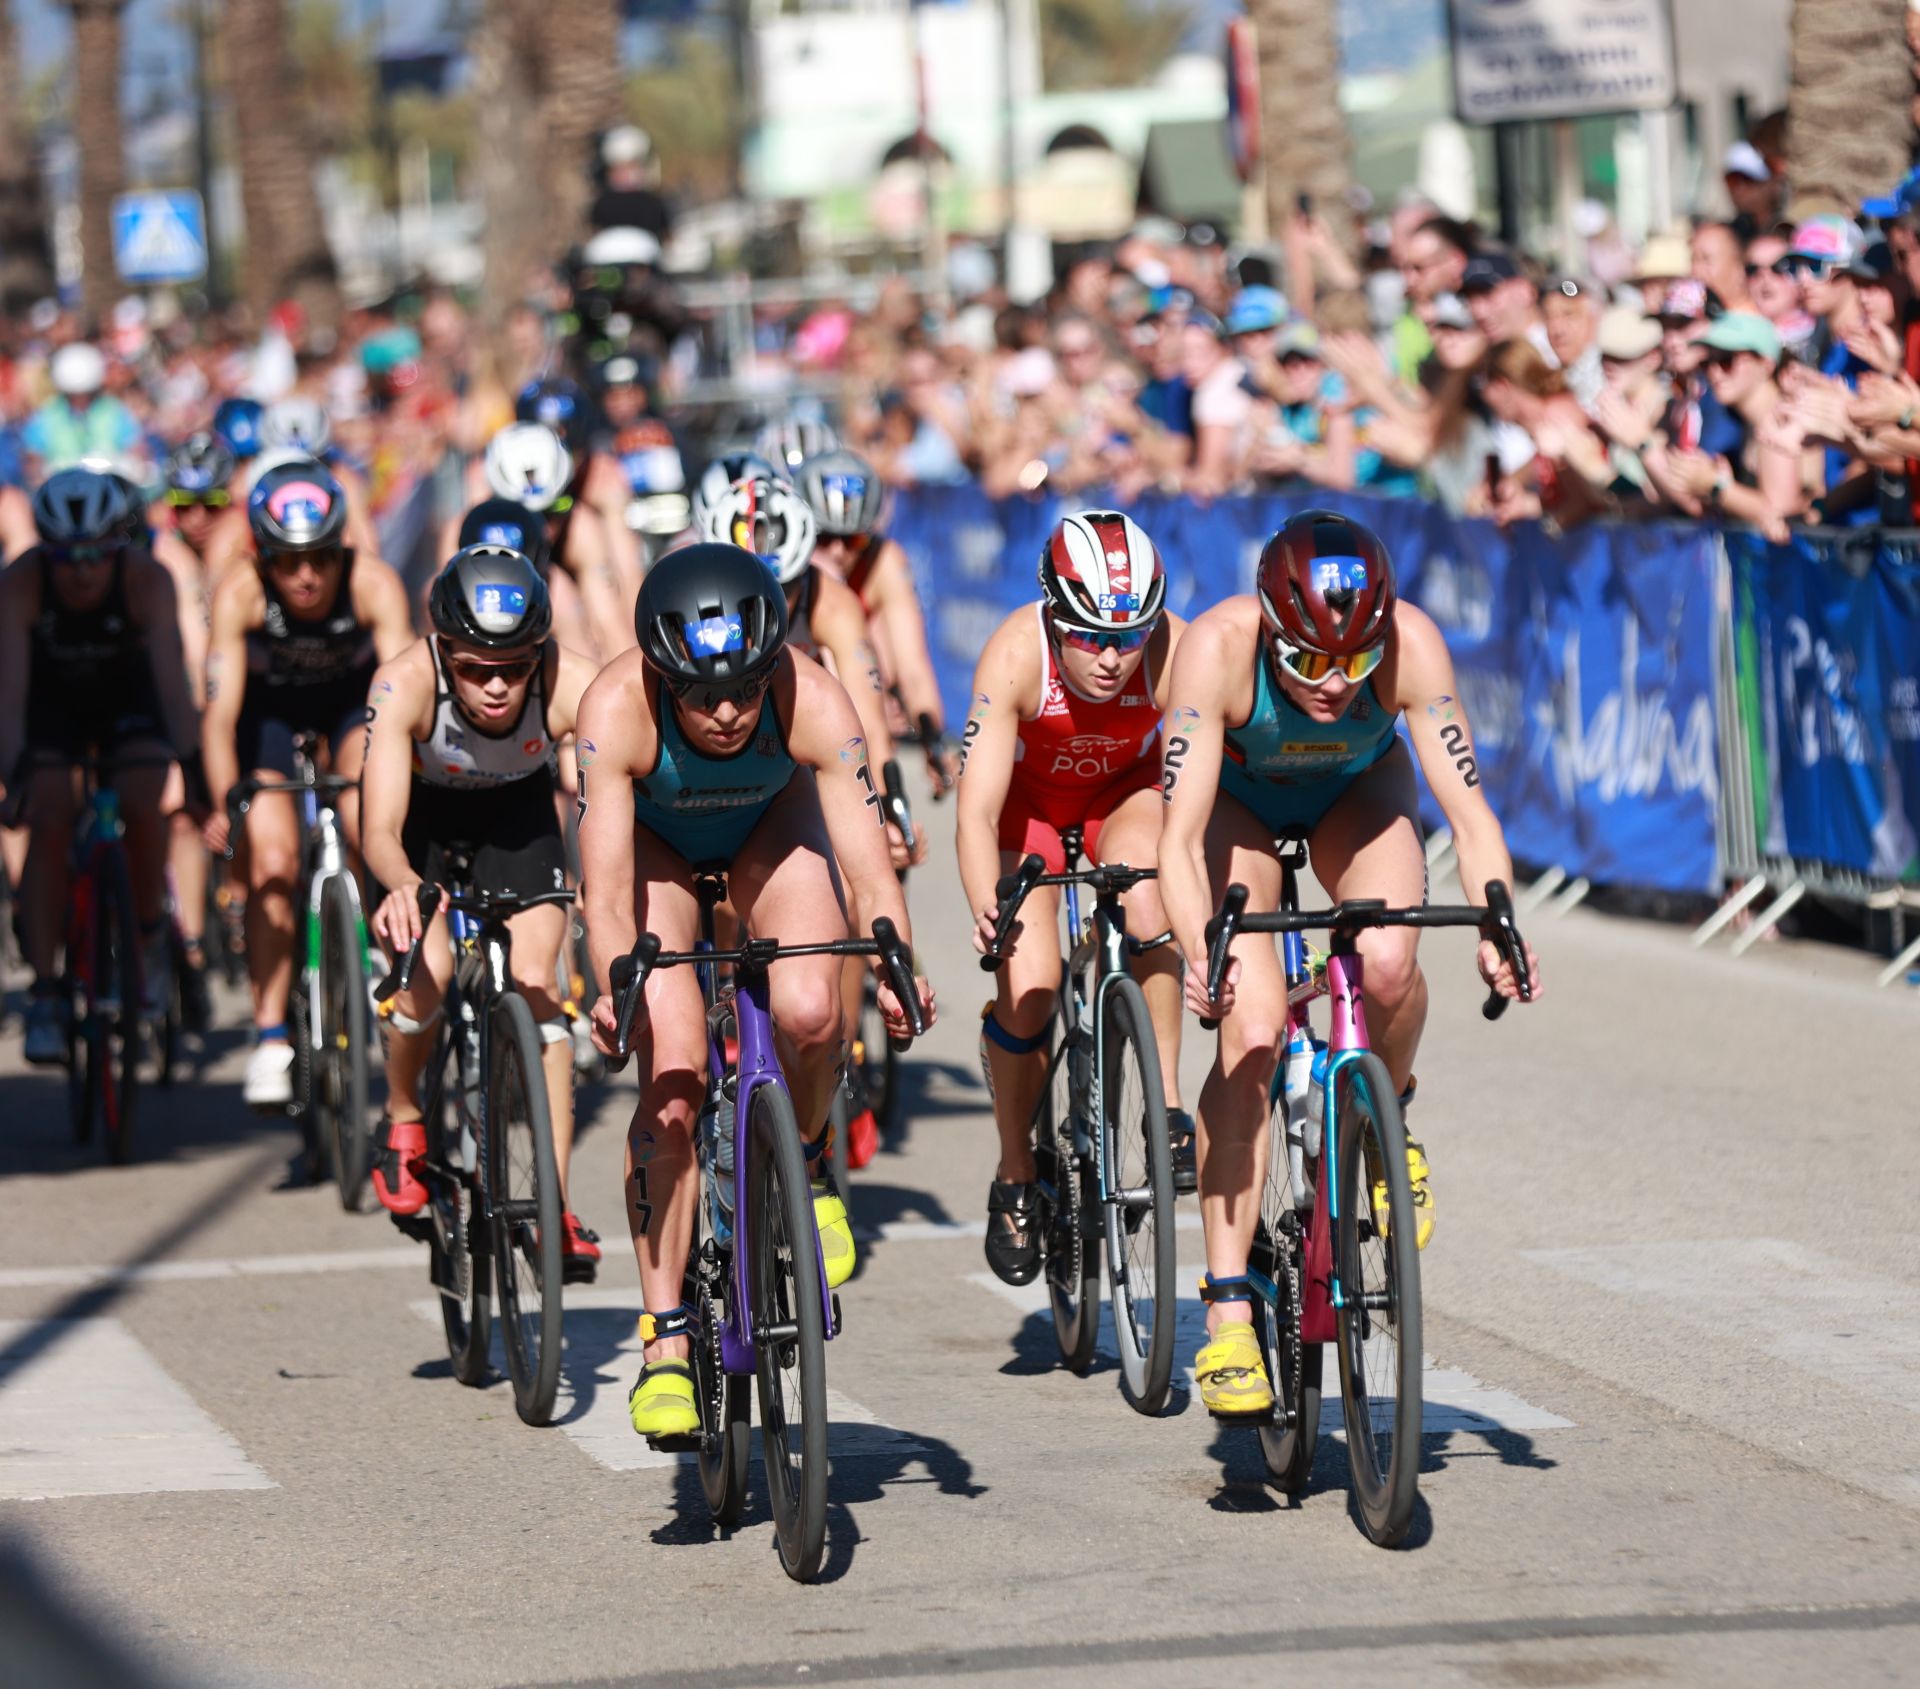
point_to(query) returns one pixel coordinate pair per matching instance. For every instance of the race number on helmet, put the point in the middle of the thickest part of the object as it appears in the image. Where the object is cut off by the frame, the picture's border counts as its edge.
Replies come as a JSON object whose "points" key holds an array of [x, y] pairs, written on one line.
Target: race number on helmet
{"points": [[1099, 570]]}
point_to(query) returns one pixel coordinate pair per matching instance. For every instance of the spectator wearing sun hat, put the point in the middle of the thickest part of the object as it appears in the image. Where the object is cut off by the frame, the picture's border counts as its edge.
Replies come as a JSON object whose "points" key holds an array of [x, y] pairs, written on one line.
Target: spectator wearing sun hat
{"points": [[1751, 189]]}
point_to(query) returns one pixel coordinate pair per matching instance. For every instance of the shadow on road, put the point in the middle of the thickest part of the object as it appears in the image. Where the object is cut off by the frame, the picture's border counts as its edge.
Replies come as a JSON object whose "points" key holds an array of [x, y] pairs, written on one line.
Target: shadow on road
{"points": [[929, 1089]]}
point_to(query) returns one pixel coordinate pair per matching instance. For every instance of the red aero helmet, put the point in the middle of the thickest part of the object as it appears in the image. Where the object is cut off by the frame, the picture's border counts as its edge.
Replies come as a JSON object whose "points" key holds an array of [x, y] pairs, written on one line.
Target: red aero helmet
{"points": [[1099, 571], [1326, 584]]}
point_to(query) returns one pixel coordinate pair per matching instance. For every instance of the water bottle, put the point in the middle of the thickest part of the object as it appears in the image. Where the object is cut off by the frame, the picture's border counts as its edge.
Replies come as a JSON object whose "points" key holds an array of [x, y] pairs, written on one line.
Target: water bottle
{"points": [[463, 1152], [716, 1150], [1317, 1099]]}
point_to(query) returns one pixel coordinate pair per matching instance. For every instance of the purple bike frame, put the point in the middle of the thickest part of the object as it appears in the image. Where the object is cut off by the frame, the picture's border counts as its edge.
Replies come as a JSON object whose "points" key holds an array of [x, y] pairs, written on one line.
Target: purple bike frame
{"points": [[1344, 989], [759, 1066]]}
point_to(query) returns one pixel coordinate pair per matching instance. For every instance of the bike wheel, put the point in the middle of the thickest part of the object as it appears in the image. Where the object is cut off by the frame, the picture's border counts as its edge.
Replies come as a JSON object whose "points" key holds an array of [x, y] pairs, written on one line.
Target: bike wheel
{"points": [[523, 1196], [167, 1034], [1073, 1220], [1288, 1442], [83, 1065], [725, 1404], [789, 1331], [117, 1047], [879, 1061], [1138, 1212], [840, 1118], [1379, 1323], [340, 1077], [461, 1261]]}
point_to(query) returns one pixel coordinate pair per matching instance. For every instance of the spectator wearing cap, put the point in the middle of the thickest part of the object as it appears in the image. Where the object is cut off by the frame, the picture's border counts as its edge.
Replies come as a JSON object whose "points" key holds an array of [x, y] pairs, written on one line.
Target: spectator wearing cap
{"points": [[1503, 301], [1665, 261], [1776, 293], [1821, 259], [1166, 396], [1222, 406], [1751, 190], [1570, 310], [1761, 480], [1695, 419], [629, 197], [1432, 257], [1304, 434], [81, 419], [1717, 260]]}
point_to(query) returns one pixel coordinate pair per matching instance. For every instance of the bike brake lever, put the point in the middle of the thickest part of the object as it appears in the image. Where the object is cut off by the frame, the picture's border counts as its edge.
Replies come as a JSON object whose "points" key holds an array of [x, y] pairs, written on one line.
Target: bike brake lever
{"points": [[895, 803], [627, 975], [1010, 893], [897, 959], [400, 976], [1505, 934], [1221, 932]]}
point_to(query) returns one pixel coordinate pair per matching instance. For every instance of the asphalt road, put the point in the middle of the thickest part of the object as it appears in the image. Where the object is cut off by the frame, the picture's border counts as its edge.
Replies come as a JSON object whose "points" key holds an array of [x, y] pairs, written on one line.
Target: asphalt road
{"points": [[1673, 1327]]}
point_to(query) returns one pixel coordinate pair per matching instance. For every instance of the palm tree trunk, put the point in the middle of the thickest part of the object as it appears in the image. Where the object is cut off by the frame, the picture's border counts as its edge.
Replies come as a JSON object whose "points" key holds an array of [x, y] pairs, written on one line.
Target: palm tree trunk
{"points": [[1849, 117], [510, 157], [96, 132], [579, 98], [287, 256], [1303, 130], [26, 260]]}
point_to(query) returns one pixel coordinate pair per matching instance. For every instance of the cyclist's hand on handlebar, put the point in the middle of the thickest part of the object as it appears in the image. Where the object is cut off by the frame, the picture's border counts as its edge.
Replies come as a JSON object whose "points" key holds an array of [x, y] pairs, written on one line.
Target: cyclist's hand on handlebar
{"points": [[217, 830], [1498, 973], [895, 1016], [897, 847], [940, 769], [604, 1024], [984, 925], [1196, 989], [396, 923]]}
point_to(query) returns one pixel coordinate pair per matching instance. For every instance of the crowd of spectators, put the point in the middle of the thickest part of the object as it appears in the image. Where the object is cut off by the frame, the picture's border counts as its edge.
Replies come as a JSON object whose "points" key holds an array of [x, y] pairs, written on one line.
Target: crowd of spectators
{"points": [[1758, 369]]}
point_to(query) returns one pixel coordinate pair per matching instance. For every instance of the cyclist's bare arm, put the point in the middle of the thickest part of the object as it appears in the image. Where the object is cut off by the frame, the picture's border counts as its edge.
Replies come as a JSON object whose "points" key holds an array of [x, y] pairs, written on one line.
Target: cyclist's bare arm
{"points": [[380, 603], [1161, 653], [607, 493], [230, 544], [573, 674], [824, 734], [237, 604], [840, 628], [155, 609], [596, 571], [897, 606], [178, 559], [19, 604], [1193, 733], [616, 741], [399, 711], [1006, 684], [1423, 687]]}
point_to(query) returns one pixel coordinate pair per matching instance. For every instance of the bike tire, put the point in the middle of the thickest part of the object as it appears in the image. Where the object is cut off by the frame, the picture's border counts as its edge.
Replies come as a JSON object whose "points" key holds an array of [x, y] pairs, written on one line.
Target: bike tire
{"points": [[340, 1089], [1073, 1224], [1379, 1327], [791, 1370], [840, 1119], [117, 957], [726, 1402], [523, 1201], [1138, 1213], [879, 1061], [83, 1067], [461, 1260], [1289, 1440], [172, 1014]]}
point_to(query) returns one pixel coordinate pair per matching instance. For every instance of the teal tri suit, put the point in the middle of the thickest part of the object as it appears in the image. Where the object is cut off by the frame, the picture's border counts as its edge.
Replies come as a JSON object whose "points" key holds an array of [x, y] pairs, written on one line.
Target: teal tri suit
{"points": [[1290, 769], [704, 807]]}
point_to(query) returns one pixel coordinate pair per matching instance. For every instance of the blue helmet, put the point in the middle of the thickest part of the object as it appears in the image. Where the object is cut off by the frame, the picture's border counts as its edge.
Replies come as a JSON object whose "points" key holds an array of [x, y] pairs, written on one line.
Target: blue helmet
{"points": [[559, 404], [238, 423]]}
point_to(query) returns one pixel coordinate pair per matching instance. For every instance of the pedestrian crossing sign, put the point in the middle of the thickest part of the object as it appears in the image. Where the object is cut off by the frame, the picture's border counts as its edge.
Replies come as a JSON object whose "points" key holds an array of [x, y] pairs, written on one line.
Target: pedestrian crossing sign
{"points": [[159, 236]]}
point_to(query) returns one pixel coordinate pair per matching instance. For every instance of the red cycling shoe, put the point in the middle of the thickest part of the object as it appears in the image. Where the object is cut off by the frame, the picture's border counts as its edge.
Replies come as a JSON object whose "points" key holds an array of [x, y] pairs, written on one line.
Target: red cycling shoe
{"points": [[579, 1251], [396, 1166], [863, 1139]]}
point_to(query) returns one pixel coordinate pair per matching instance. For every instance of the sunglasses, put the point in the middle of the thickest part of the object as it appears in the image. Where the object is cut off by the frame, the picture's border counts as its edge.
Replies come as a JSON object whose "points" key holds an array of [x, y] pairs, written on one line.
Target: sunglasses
{"points": [[478, 671], [1110, 639], [1717, 359], [1315, 668], [216, 498], [102, 552], [708, 696], [292, 562], [1807, 269]]}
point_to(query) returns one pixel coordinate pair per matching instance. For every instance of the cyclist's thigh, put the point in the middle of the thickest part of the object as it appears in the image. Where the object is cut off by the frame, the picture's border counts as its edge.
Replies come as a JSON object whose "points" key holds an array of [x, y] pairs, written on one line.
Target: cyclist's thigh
{"points": [[670, 1033], [273, 832], [1368, 842], [1240, 848], [1031, 976], [1131, 834], [783, 879], [537, 935], [144, 780], [345, 731]]}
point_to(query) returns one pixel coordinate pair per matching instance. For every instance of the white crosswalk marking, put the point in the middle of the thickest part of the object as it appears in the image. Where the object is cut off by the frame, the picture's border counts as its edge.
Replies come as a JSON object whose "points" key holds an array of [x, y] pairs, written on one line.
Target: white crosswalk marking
{"points": [[1793, 1303], [602, 1360], [1454, 1400], [86, 1410]]}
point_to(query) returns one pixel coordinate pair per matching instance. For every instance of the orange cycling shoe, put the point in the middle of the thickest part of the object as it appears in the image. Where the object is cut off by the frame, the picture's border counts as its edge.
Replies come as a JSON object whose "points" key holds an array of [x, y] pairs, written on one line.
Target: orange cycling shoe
{"points": [[579, 1251], [863, 1139], [396, 1167]]}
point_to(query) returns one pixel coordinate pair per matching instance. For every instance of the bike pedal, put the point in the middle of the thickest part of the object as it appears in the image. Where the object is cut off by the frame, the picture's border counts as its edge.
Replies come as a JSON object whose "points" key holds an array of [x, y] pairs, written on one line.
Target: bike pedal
{"points": [[684, 1443], [416, 1226], [573, 1271], [834, 1298]]}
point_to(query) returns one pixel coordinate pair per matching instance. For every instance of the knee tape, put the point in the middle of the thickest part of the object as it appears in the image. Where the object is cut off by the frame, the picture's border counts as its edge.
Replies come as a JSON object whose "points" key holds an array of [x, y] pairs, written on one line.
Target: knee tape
{"points": [[406, 1025], [555, 1031]]}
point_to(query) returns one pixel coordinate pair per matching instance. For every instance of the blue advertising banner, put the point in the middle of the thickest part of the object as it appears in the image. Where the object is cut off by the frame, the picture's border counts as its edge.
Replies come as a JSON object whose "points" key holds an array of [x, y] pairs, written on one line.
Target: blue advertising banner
{"points": [[1583, 661], [1835, 623]]}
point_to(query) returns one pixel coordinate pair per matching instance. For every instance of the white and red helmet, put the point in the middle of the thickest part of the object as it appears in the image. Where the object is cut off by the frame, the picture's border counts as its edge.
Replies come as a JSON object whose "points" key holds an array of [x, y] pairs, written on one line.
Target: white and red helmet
{"points": [[1098, 570]]}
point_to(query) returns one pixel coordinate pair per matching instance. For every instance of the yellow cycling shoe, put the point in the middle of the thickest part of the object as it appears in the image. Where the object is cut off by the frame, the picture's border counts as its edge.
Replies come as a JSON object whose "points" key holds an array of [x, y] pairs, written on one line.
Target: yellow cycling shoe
{"points": [[836, 1234], [1417, 1178], [1232, 1378], [661, 1404]]}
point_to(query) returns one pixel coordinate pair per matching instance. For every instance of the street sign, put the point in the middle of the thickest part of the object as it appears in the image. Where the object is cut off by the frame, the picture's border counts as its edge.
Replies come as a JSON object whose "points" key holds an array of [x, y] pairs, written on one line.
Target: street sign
{"points": [[1521, 60], [159, 237]]}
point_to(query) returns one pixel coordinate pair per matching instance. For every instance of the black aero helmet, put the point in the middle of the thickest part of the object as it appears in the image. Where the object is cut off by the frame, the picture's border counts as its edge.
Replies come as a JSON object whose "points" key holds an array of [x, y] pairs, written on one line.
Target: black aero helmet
{"points": [[559, 404], [491, 596], [847, 497], [710, 614], [297, 506], [199, 468], [83, 508], [505, 521]]}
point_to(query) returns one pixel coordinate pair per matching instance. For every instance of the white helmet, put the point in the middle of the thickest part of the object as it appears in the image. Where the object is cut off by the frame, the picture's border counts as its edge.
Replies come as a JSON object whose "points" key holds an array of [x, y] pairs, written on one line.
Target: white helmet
{"points": [[1099, 571], [528, 463], [721, 474], [299, 423], [764, 515], [788, 443], [78, 368], [275, 457]]}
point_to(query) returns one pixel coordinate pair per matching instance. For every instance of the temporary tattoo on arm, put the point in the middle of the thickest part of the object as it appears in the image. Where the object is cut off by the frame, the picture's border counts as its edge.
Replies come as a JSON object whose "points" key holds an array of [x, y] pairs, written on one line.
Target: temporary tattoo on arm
{"points": [[981, 704], [1180, 726], [1453, 735], [854, 754], [584, 751], [866, 658], [213, 676]]}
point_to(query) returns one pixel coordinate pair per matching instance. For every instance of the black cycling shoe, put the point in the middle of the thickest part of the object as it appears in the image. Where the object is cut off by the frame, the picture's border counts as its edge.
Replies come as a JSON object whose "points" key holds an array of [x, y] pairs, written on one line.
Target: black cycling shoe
{"points": [[1185, 1145], [196, 1001], [1013, 1232]]}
